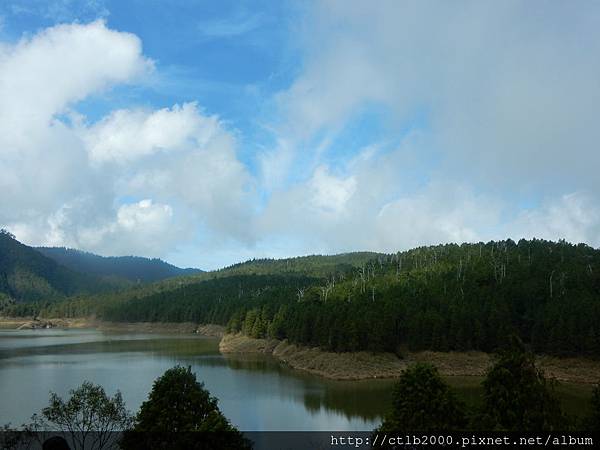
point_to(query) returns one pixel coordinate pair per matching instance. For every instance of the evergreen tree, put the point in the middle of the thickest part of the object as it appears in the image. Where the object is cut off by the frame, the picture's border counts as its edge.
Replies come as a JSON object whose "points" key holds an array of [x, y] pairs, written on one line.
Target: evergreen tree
{"points": [[593, 422], [421, 401], [517, 395], [177, 409]]}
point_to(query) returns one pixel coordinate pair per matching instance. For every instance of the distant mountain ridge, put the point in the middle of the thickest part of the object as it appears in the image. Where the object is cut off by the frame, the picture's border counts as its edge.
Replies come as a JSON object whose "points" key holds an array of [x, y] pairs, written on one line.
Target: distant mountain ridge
{"points": [[28, 275], [132, 268]]}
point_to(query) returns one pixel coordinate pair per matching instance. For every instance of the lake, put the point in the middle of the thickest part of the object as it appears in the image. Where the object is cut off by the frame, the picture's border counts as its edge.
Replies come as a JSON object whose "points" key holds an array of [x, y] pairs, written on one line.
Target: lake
{"points": [[255, 392]]}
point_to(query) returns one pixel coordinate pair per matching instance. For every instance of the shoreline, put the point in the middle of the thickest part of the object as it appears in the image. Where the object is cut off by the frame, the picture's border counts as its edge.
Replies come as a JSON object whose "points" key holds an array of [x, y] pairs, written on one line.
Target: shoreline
{"points": [[337, 366], [366, 365], [20, 323]]}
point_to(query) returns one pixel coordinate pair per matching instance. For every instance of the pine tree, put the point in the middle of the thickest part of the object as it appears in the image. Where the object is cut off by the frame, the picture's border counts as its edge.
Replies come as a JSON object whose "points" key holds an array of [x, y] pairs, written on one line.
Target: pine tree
{"points": [[421, 401], [180, 413], [517, 395]]}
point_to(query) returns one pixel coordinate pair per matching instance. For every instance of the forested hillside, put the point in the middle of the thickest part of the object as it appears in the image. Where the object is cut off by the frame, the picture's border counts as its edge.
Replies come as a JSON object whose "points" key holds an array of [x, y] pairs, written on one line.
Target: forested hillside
{"points": [[132, 268], [312, 265], [446, 297], [27, 275]]}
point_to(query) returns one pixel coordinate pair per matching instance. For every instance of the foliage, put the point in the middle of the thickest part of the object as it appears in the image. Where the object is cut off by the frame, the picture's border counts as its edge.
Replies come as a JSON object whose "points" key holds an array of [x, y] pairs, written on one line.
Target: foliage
{"points": [[517, 395], [177, 406], [421, 401], [27, 275], [593, 422], [10, 439], [132, 268], [89, 416], [443, 298]]}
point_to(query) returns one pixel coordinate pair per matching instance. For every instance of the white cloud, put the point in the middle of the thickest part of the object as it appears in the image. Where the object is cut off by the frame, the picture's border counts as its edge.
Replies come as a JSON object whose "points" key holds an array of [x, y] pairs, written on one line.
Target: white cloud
{"points": [[574, 217], [44, 74], [42, 161], [497, 103], [508, 88], [67, 178], [504, 97], [439, 213], [127, 135], [130, 217], [330, 194], [143, 227], [371, 207]]}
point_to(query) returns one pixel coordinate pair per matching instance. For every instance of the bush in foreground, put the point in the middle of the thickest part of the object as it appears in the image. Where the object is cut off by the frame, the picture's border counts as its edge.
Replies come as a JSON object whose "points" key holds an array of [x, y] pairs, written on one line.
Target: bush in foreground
{"points": [[89, 417]]}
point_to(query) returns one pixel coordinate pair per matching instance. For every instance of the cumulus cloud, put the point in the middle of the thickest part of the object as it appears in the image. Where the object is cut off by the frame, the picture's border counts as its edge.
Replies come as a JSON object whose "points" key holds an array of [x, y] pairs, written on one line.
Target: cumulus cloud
{"points": [[505, 95], [127, 135], [44, 74], [145, 226], [42, 161], [486, 107], [79, 184]]}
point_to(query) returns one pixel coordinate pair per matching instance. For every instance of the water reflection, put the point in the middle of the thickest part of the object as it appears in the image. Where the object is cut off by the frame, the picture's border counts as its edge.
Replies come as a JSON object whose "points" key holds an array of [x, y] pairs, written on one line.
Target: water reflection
{"points": [[254, 391], [365, 399]]}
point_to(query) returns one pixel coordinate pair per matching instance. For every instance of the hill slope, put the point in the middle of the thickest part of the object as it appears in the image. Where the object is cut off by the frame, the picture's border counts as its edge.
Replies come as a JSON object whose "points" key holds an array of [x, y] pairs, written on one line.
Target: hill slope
{"points": [[132, 268], [446, 297], [27, 275]]}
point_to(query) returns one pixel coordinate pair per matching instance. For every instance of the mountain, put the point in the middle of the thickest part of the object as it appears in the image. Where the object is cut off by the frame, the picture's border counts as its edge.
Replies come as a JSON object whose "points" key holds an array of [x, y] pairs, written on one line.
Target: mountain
{"points": [[132, 268], [444, 298], [28, 275]]}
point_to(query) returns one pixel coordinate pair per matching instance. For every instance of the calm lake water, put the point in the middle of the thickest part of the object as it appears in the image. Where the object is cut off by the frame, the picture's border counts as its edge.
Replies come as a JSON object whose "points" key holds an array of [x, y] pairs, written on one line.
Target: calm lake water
{"points": [[255, 392]]}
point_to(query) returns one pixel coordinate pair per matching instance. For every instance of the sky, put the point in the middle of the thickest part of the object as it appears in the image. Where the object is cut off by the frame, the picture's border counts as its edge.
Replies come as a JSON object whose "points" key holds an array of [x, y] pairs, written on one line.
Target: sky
{"points": [[207, 133]]}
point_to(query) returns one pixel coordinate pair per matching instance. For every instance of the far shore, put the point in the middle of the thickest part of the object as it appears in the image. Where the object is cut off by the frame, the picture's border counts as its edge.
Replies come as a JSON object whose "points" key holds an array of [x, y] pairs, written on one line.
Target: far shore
{"points": [[339, 366], [16, 323]]}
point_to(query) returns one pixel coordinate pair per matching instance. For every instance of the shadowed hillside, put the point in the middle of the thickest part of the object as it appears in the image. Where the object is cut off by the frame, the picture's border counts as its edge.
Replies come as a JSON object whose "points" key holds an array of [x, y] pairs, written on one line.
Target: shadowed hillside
{"points": [[27, 275], [132, 268]]}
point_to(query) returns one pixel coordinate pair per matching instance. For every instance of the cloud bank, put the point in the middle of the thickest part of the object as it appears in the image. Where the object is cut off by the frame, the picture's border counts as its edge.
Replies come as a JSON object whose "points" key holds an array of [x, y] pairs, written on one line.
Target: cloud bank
{"points": [[406, 124]]}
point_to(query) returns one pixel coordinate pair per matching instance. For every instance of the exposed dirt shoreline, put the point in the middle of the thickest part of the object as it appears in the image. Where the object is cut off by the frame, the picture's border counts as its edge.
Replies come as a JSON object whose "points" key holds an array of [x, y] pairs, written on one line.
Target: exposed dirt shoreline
{"points": [[339, 366], [365, 365]]}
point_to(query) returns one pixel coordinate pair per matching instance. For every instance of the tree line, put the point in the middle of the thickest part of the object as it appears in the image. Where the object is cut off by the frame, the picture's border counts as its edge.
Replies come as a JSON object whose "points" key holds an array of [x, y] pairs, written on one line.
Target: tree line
{"points": [[445, 298]]}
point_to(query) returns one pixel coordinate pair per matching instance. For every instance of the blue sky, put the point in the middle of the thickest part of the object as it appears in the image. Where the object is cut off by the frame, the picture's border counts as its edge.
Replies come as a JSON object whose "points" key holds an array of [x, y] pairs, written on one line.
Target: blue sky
{"points": [[207, 132]]}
